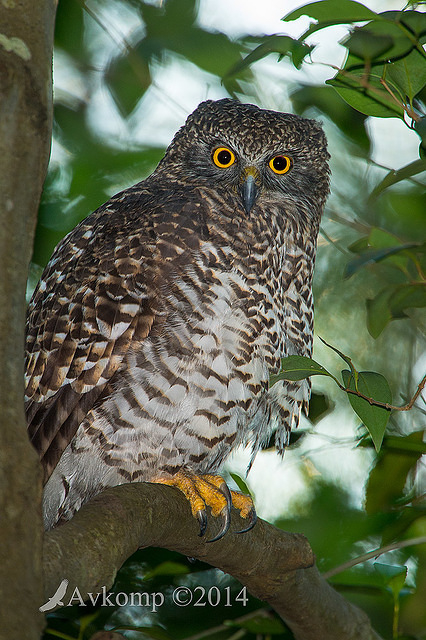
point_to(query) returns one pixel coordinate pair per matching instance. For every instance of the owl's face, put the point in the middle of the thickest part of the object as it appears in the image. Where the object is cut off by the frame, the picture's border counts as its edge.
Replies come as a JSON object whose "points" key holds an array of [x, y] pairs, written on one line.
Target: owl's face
{"points": [[252, 154]]}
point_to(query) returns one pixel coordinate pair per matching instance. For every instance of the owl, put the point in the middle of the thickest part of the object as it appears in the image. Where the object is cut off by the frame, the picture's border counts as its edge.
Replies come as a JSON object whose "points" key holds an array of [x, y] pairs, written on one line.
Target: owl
{"points": [[156, 325]]}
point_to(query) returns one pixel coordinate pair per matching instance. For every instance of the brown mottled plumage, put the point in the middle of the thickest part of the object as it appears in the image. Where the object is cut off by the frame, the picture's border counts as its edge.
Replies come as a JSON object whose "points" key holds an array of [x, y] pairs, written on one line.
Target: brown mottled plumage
{"points": [[158, 320]]}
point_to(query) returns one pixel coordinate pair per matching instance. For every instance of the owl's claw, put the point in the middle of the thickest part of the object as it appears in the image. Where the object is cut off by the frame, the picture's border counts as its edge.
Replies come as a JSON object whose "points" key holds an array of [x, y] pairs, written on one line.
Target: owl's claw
{"points": [[226, 515], [246, 508], [213, 491], [202, 521], [226, 492], [252, 516]]}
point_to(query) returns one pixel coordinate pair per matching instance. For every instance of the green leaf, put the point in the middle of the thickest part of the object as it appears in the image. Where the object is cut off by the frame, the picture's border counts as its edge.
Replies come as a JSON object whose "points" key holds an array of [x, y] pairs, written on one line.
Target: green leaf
{"points": [[330, 13], [344, 357], [367, 45], [387, 479], [283, 45], [375, 386], [393, 177], [412, 443], [407, 296], [198, 45], [378, 312], [384, 38], [372, 100], [381, 239], [391, 303], [128, 77], [414, 21], [242, 486], [298, 368], [409, 73], [405, 211], [392, 576], [374, 255], [382, 30], [360, 245]]}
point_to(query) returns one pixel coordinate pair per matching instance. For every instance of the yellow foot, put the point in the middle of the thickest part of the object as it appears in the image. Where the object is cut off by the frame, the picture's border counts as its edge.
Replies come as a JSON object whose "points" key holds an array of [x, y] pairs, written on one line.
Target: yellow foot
{"points": [[211, 490]]}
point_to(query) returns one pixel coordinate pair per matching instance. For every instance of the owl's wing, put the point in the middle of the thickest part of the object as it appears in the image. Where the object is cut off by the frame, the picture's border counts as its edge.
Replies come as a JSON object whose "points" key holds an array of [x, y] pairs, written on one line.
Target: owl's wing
{"points": [[94, 299]]}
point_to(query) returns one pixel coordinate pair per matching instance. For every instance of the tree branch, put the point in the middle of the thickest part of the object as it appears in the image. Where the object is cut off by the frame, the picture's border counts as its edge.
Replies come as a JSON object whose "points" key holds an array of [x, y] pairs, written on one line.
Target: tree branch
{"points": [[386, 405], [375, 553], [275, 566]]}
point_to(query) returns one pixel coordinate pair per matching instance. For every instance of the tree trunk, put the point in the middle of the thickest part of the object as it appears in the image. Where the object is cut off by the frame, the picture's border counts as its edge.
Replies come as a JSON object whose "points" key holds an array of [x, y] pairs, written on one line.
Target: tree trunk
{"points": [[26, 44]]}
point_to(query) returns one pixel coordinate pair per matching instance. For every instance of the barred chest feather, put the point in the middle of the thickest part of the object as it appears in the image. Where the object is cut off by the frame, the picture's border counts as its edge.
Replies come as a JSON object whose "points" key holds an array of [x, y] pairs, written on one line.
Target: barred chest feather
{"points": [[198, 384]]}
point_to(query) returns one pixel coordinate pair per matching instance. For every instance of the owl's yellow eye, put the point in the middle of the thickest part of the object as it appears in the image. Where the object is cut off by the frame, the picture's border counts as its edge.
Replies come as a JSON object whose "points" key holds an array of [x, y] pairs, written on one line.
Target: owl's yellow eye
{"points": [[223, 157], [280, 164]]}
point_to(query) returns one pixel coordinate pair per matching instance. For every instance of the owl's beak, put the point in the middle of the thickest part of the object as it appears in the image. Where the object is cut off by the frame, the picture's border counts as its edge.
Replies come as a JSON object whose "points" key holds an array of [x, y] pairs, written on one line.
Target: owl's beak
{"points": [[249, 187]]}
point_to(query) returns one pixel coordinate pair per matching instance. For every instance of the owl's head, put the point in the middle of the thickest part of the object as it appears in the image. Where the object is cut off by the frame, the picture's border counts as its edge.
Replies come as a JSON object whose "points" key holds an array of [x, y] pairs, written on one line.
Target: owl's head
{"points": [[254, 153]]}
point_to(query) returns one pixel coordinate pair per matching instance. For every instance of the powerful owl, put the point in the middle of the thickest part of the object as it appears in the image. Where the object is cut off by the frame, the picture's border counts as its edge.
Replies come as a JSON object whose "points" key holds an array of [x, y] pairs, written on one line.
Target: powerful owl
{"points": [[159, 319]]}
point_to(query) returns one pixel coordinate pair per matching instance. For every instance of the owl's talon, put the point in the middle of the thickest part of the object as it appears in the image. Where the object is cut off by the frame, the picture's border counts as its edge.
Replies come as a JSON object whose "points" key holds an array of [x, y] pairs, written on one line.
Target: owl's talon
{"points": [[226, 492], [252, 517], [226, 515], [211, 490], [202, 521]]}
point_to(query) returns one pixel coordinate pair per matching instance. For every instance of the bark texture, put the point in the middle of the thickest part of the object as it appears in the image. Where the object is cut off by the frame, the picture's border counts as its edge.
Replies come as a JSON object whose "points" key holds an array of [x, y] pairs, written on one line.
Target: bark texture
{"points": [[275, 566], [26, 43]]}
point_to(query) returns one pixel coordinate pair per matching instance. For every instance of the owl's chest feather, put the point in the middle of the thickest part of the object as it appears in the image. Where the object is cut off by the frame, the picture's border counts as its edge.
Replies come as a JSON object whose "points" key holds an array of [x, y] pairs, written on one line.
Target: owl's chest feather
{"points": [[222, 335], [199, 383]]}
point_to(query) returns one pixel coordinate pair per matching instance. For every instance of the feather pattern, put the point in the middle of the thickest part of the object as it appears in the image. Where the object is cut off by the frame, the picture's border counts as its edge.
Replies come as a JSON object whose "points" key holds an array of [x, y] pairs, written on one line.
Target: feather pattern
{"points": [[158, 320]]}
